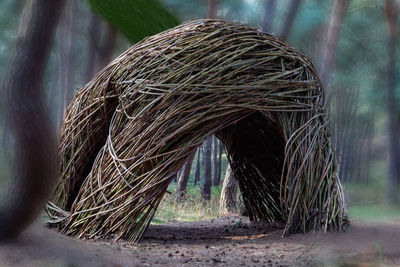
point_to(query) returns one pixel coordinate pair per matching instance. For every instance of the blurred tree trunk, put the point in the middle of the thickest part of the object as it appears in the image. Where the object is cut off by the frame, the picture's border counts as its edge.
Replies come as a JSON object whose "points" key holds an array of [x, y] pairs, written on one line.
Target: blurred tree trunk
{"points": [[197, 170], [107, 46], [212, 9], [391, 13], [291, 15], [338, 13], [35, 140], [183, 178], [219, 162], [67, 52], [207, 180], [227, 203], [268, 16], [102, 38], [94, 31], [215, 145]]}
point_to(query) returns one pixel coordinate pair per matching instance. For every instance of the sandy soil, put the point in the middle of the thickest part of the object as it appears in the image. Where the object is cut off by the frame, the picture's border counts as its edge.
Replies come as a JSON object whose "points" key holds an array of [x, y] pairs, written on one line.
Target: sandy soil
{"points": [[229, 241]]}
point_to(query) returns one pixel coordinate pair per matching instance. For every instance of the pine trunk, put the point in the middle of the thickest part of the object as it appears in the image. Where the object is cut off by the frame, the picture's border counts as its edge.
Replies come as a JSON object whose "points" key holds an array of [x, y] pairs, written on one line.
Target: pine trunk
{"points": [[207, 179], [227, 203], [215, 180], [197, 170], [288, 24], [27, 115], [268, 16], [338, 13], [394, 153], [183, 178]]}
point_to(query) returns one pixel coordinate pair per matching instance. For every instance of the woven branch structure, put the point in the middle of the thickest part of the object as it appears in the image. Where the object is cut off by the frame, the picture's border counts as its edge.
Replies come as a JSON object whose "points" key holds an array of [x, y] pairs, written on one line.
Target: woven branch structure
{"points": [[130, 129]]}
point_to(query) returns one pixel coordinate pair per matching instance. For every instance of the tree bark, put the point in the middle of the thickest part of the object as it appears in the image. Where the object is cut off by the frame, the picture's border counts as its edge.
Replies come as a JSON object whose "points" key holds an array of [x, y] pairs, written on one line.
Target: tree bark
{"points": [[197, 170], [107, 46], [34, 135], [287, 26], [67, 51], [227, 203], [391, 13], [94, 31], [268, 16], [215, 179], [212, 9], [338, 13], [181, 187], [207, 180]]}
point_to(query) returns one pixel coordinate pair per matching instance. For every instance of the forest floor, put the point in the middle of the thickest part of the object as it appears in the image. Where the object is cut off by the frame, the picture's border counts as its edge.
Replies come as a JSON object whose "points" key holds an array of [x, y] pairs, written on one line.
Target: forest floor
{"points": [[227, 241]]}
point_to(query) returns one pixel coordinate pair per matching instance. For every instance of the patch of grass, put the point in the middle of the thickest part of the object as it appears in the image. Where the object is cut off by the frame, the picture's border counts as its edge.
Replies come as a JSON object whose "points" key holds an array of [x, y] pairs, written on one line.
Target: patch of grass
{"points": [[191, 209], [374, 212]]}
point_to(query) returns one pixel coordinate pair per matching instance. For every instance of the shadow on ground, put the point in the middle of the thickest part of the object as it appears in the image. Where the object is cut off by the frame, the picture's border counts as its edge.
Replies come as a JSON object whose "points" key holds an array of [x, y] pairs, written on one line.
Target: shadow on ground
{"points": [[228, 241]]}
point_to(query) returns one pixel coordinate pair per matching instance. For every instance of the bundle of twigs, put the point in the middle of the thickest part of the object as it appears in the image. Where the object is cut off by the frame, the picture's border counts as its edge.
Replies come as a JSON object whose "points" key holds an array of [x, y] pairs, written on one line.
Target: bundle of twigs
{"points": [[130, 130]]}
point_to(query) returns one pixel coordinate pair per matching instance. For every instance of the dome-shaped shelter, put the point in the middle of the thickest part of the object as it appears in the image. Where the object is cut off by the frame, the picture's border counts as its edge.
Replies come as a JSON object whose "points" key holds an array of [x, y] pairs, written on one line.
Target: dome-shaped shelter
{"points": [[130, 129]]}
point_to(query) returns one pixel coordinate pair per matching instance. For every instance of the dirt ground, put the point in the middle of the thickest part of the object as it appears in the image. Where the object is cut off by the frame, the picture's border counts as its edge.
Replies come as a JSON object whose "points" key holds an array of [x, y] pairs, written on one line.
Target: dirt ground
{"points": [[228, 241]]}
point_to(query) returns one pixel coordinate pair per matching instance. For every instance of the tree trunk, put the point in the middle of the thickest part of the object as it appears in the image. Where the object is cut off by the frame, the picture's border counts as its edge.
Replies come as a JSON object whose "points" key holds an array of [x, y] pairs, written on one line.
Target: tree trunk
{"points": [[34, 135], [197, 170], [287, 26], [268, 16], [215, 180], [212, 9], [107, 46], [94, 31], [183, 179], [338, 13], [227, 203], [207, 180], [219, 162], [391, 13], [67, 51]]}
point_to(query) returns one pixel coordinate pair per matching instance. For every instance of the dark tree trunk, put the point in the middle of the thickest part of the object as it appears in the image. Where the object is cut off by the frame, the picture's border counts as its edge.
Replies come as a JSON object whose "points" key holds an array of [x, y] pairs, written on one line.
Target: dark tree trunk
{"points": [[207, 180], [227, 203], [219, 162], [268, 16], [67, 51], [94, 32], [291, 15], [34, 135], [391, 13], [183, 179], [107, 46], [338, 13], [197, 170], [212, 9], [215, 179]]}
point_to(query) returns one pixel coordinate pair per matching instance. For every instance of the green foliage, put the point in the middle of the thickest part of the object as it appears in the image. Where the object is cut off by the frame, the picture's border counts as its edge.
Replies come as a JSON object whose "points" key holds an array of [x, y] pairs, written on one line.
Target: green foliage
{"points": [[136, 19]]}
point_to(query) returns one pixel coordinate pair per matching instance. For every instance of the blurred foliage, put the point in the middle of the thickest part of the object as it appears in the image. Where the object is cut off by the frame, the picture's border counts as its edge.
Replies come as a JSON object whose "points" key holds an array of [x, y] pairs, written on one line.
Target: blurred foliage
{"points": [[135, 18]]}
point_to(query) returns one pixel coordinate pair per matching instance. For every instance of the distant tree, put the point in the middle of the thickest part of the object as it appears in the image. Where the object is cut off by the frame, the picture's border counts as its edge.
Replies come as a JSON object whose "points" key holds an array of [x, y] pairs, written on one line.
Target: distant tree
{"points": [[207, 180], [290, 17], [67, 54], [107, 45], [338, 13], [212, 9], [35, 141], [391, 12], [268, 15], [215, 173], [94, 32], [101, 44], [183, 178], [227, 203], [198, 167]]}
